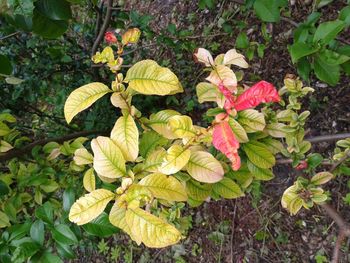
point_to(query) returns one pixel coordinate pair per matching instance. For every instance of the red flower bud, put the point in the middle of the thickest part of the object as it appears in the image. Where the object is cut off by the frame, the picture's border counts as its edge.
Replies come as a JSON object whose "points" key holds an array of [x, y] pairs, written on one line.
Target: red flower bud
{"points": [[302, 165], [110, 37]]}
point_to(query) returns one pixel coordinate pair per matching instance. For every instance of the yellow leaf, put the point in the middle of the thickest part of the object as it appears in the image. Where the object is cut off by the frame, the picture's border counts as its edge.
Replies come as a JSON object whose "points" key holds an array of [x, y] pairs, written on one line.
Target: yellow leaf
{"points": [[89, 180], [90, 206], [117, 218], [276, 130], [5, 146], [131, 36], [147, 77], [176, 158], [233, 58], [238, 130], [181, 126], [126, 135], [108, 159], [164, 187], [251, 120], [203, 56], [228, 189], [159, 123], [223, 74], [209, 92], [321, 178], [203, 167], [82, 156], [82, 98], [4, 220], [154, 160], [121, 100], [104, 57], [151, 230]]}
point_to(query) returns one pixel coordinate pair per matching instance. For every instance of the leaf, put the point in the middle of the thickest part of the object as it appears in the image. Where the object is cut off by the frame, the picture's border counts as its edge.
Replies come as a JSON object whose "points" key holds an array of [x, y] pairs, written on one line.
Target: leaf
{"points": [[13, 80], [90, 206], [227, 189], [276, 130], [260, 173], [299, 50], [5, 65], [268, 10], [164, 187], [261, 92], [344, 15], [181, 126], [238, 130], [108, 159], [37, 232], [225, 141], [209, 92], [89, 180], [54, 9], [154, 160], [176, 158], [5, 146], [48, 28], [327, 73], [251, 120], [151, 230], [322, 178], [82, 98], [45, 213], [100, 226], [274, 146], [327, 31], [68, 198], [198, 191], [117, 218], [233, 58], [126, 136], [149, 141], [222, 74], [117, 100], [4, 220], [82, 157], [202, 55], [159, 123], [62, 234], [203, 167], [259, 155], [147, 77], [4, 129]]}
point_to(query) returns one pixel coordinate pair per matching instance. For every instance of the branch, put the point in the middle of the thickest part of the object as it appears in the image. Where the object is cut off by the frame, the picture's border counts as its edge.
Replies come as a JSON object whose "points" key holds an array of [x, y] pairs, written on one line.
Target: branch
{"points": [[10, 35], [328, 138], [103, 27], [26, 149]]}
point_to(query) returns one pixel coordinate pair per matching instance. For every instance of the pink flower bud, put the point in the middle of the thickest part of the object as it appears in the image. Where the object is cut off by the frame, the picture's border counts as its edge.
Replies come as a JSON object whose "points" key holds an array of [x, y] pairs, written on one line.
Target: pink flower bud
{"points": [[302, 165], [110, 37]]}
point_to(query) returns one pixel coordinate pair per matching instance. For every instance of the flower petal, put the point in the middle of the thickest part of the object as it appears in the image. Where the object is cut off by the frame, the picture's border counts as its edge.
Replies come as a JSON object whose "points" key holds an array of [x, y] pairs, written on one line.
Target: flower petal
{"points": [[261, 92]]}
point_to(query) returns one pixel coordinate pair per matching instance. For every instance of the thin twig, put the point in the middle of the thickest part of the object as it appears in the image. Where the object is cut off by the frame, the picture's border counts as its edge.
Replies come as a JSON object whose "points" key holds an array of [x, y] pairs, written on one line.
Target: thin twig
{"points": [[26, 149], [328, 138], [103, 27], [10, 35]]}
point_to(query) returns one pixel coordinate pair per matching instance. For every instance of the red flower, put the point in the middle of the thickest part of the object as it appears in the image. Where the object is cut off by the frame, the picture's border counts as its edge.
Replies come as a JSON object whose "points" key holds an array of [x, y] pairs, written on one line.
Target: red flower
{"points": [[110, 37], [302, 165]]}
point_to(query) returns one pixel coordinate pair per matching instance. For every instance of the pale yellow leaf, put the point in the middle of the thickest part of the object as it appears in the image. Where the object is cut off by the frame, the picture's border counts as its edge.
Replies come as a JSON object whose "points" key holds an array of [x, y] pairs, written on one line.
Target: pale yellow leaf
{"points": [[90, 206], [176, 158], [181, 126], [223, 74], [233, 58], [82, 98], [159, 123], [82, 156], [108, 159], [126, 135], [89, 180], [203, 56], [209, 92]]}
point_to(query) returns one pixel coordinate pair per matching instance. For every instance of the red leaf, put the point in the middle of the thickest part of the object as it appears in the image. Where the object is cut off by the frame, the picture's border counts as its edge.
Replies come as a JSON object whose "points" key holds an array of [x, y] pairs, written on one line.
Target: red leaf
{"points": [[225, 141], [260, 92]]}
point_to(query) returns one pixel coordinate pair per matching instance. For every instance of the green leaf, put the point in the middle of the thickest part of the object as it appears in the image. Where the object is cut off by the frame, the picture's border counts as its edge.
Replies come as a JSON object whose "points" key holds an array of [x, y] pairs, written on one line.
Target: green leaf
{"points": [[54, 9], [64, 235], [48, 28], [304, 68], [45, 213], [126, 136], [164, 187], [49, 257], [333, 58], [5, 65], [251, 120], [68, 198], [275, 130], [149, 141], [100, 226], [4, 220], [314, 160], [24, 251], [327, 73], [90, 206], [299, 50], [203, 167], [268, 10], [21, 7], [344, 15], [37, 232], [327, 31], [238, 130], [259, 154], [242, 41], [82, 98], [198, 191], [260, 173], [227, 189], [108, 158], [147, 77]]}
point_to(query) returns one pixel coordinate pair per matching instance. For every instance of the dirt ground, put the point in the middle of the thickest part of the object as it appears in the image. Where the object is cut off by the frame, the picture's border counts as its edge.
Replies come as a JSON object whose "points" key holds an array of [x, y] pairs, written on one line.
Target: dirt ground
{"points": [[266, 232]]}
